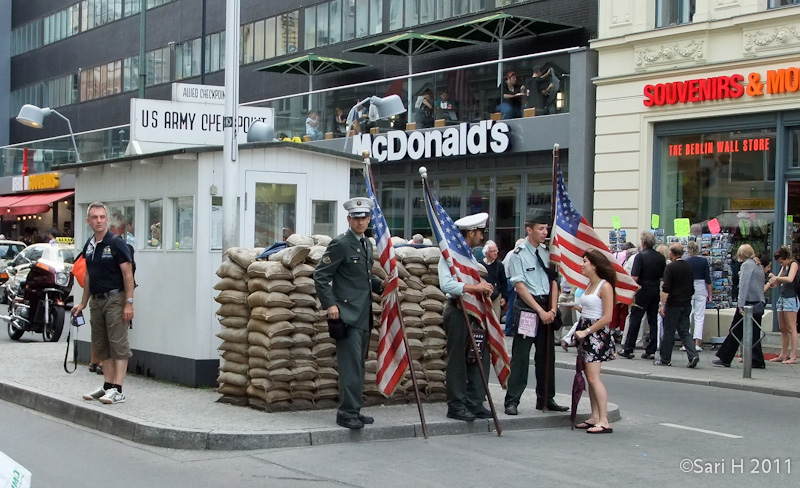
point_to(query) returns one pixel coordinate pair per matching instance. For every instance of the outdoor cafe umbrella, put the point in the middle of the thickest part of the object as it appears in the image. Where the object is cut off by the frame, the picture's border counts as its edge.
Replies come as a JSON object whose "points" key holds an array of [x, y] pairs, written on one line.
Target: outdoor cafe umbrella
{"points": [[410, 44], [310, 65], [499, 27]]}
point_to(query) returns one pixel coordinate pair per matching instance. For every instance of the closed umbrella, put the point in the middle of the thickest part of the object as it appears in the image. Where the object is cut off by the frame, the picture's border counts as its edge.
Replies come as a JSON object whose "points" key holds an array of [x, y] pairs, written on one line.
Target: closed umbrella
{"points": [[310, 65], [578, 383], [499, 27], [410, 44]]}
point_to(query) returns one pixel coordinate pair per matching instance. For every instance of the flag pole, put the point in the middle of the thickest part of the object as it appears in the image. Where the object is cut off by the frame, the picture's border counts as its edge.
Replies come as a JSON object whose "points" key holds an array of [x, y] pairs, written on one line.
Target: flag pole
{"points": [[368, 169], [553, 216], [424, 173]]}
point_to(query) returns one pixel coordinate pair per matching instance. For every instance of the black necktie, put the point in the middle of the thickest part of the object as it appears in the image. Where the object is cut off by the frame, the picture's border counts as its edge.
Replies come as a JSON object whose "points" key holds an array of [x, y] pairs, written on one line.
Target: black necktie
{"points": [[364, 245]]}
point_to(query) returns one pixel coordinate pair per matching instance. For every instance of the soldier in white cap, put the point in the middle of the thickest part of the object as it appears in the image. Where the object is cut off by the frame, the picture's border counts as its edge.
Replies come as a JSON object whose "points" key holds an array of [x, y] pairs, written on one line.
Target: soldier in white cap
{"points": [[344, 284], [465, 391]]}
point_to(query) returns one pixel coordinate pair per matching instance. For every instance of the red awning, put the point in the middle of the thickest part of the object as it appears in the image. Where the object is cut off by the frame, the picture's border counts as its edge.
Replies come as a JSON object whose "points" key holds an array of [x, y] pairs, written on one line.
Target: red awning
{"points": [[35, 203]]}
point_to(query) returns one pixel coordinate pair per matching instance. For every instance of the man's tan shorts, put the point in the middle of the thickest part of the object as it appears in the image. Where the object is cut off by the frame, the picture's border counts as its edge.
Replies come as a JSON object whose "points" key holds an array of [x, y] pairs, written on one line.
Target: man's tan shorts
{"points": [[109, 329]]}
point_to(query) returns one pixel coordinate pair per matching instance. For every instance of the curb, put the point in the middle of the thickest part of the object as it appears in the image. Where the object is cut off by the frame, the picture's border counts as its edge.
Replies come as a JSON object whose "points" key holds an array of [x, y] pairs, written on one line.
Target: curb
{"points": [[768, 390], [149, 433]]}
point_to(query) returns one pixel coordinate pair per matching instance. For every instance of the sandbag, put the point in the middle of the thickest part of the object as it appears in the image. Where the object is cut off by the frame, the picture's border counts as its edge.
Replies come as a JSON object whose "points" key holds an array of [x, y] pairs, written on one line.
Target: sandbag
{"points": [[321, 240], [257, 351], [232, 390], [414, 282], [411, 295], [304, 327], [408, 308], [303, 269], [259, 339], [295, 255], [315, 254], [302, 340], [231, 284], [235, 357], [432, 318], [233, 335], [232, 379], [242, 256], [432, 305], [414, 332], [431, 279], [233, 310], [434, 292], [272, 314], [431, 254], [233, 367], [261, 298], [301, 352], [229, 269], [305, 314], [281, 342], [302, 300], [412, 321], [416, 269], [323, 350], [304, 284], [408, 254], [281, 374], [299, 240], [231, 296], [269, 270], [239, 347], [304, 373], [234, 322], [434, 331]]}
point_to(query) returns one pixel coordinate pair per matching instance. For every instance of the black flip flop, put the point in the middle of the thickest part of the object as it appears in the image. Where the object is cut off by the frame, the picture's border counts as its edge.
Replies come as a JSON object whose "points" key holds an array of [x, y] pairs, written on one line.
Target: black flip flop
{"points": [[603, 430], [584, 425]]}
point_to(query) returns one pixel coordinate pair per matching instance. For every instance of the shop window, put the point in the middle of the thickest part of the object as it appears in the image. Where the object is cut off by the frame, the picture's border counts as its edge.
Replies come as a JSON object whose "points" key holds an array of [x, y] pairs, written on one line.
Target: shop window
{"points": [[122, 220], [153, 220], [358, 186], [539, 198], [323, 217], [449, 197], [674, 12], [419, 215], [794, 157], [506, 216], [183, 213], [728, 176]]}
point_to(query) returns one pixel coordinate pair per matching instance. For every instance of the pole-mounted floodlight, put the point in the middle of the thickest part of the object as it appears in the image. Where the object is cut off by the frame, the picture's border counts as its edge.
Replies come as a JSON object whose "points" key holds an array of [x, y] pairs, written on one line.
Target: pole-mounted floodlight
{"points": [[380, 108], [33, 116]]}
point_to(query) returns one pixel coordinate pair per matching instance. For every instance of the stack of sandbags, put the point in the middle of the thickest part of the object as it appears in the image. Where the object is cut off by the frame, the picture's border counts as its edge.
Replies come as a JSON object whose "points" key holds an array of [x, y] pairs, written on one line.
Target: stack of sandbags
{"points": [[234, 314]]}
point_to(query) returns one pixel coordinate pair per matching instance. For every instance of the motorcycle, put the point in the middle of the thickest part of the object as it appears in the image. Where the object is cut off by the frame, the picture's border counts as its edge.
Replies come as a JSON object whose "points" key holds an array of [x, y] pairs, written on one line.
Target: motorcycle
{"points": [[38, 299]]}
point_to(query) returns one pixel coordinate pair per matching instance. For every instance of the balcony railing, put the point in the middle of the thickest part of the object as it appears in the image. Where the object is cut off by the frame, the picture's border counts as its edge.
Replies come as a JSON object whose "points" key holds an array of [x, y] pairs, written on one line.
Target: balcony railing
{"points": [[473, 95]]}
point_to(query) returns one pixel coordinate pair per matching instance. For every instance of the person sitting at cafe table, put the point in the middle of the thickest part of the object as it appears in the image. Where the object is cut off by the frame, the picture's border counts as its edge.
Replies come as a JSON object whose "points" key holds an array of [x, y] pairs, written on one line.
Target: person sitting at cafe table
{"points": [[445, 107]]}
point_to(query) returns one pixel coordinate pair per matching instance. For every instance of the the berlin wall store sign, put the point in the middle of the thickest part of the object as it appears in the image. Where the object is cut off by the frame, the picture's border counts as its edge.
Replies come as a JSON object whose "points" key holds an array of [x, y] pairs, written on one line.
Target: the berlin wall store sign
{"points": [[754, 84], [461, 140]]}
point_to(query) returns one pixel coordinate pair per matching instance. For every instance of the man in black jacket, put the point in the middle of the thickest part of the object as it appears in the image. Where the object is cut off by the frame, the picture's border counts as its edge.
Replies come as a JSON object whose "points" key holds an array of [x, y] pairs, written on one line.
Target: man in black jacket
{"points": [[647, 271], [675, 307], [496, 275]]}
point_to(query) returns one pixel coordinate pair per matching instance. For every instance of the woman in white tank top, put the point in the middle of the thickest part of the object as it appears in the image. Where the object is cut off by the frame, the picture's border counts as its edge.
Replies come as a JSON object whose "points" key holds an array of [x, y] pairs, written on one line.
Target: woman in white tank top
{"points": [[597, 308]]}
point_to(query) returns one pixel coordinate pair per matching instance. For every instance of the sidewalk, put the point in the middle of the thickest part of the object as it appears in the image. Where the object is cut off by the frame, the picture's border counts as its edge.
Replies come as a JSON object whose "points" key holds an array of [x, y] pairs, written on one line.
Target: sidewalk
{"points": [[168, 415], [776, 379]]}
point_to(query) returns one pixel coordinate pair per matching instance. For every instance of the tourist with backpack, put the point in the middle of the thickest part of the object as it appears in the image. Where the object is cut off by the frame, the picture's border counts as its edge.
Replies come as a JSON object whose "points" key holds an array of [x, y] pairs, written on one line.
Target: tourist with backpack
{"points": [[109, 284], [788, 304]]}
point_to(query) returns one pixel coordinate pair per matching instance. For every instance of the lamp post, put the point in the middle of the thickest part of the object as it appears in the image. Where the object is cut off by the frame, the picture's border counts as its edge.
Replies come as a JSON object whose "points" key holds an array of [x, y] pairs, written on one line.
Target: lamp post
{"points": [[380, 108], [33, 116], [230, 168]]}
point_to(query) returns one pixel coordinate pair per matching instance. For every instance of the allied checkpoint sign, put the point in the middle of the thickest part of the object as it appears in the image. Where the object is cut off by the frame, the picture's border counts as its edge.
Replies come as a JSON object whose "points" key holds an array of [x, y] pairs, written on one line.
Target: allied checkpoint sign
{"points": [[187, 123]]}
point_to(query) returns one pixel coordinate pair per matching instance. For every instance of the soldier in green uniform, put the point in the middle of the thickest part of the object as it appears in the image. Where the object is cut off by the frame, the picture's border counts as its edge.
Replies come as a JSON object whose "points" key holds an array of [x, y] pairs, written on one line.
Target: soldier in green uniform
{"points": [[465, 391], [344, 284], [536, 289]]}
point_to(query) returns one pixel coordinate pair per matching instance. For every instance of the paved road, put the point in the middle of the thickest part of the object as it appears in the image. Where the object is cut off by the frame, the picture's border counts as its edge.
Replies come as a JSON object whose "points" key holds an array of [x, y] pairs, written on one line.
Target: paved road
{"points": [[742, 427]]}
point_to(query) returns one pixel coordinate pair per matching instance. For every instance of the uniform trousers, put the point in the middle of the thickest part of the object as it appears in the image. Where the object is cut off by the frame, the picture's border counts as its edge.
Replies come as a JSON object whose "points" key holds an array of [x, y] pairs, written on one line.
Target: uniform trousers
{"points": [[520, 360], [351, 352], [464, 384]]}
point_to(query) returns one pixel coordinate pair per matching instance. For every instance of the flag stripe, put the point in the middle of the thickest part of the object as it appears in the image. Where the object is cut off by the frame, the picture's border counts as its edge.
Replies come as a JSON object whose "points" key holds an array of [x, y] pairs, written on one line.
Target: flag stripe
{"points": [[392, 352], [573, 236]]}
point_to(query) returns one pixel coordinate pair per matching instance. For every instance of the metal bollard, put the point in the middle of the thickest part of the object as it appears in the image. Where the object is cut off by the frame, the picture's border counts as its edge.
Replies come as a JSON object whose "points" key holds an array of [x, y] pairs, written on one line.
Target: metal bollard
{"points": [[747, 342]]}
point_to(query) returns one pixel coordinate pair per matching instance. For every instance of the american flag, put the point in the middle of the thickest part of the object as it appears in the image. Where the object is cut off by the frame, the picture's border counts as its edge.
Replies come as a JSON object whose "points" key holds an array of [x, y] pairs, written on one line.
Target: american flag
{"points": [[392, 355], [572, 237], [464, 268]]}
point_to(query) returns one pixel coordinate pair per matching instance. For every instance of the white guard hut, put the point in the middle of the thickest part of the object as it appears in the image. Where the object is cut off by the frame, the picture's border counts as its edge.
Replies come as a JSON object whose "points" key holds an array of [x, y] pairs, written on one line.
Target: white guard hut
{"points": [[171, 205]]}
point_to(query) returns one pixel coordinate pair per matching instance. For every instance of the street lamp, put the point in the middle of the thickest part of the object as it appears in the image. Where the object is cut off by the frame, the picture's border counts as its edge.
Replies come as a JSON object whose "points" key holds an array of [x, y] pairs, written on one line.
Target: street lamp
{"points": [[33, 116], [380, 108], [260, 132]]}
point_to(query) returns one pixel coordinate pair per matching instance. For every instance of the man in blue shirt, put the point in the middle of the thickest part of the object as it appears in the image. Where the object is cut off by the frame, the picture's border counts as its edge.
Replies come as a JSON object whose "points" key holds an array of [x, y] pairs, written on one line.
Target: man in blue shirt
{"points": [[465, 391], [537, 290]]}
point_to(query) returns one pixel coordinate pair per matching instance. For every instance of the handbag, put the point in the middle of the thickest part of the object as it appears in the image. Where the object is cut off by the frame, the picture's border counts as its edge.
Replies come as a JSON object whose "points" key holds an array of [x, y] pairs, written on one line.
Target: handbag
{"points": [[479, 334], [337, 329]]}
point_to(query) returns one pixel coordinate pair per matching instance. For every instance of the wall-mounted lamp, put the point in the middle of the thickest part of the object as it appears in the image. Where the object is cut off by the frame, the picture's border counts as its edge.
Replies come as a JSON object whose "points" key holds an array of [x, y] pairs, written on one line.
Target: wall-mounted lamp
{"points": [[33, 116], [559, 100]]}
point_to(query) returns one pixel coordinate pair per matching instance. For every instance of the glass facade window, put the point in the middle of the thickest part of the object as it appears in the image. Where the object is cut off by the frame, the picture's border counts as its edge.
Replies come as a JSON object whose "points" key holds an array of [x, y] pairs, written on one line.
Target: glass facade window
{"points": [[130, 74], [246, 49], [133, 7], [60, 91], [187, 59], [154, 217], [393, 204], [311, 28], [183, 212], [724, 175], [375, 16], [349, 20], [783, 3], [322, 25], [122, 220], [362, 18], [323, 217], [26, 38], [674, 12], [270, 47], [506, 213], [335, 22]]}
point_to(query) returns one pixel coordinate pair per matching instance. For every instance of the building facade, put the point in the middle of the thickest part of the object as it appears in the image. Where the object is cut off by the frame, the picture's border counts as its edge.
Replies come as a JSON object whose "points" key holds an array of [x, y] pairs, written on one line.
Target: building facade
{"points": [[698, 117]]}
